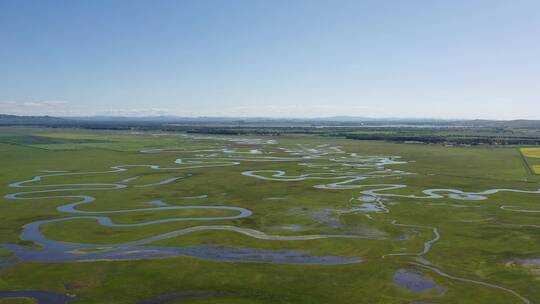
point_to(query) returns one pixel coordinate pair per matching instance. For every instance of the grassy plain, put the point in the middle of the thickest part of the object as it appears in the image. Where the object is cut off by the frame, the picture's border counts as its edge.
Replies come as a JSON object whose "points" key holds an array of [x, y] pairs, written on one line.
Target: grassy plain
{"points": [[478, 240]]}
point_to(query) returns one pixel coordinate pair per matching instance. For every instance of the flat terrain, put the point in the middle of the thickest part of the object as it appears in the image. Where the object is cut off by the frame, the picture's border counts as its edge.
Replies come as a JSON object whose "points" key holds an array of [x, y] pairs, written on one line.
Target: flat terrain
{"points": [[154, 217], [532, 155], [531, 152]]}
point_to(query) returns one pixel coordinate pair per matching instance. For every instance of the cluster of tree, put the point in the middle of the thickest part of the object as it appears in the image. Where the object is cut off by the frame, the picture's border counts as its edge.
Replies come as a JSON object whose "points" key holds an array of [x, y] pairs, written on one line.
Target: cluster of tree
{"points": [[458, 140], [29, 120], [245, 130], [474, 132], [239, 131]]}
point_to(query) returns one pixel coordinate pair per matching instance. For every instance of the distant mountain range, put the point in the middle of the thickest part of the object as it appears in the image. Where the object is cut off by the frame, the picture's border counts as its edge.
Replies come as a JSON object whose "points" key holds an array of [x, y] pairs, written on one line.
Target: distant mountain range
{"points": [[29, 120], [263, 121]]}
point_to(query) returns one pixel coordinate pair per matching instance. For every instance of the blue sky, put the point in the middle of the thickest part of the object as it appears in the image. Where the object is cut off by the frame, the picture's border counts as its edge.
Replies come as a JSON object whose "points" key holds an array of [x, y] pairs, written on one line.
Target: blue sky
{"points": [[439, 59]]}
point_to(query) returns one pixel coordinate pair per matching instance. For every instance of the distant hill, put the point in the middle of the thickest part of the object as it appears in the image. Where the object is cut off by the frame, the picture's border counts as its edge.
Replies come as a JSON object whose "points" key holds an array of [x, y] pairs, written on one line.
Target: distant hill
{"points": [[31, 120], [337, 121], [518, 123]]}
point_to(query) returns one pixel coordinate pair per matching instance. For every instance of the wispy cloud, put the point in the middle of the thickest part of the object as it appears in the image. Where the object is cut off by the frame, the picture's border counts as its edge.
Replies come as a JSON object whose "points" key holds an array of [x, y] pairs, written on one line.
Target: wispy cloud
{"points": [[138, 112], [46, 103], [33, 107], [301, 110], [251, 110]]}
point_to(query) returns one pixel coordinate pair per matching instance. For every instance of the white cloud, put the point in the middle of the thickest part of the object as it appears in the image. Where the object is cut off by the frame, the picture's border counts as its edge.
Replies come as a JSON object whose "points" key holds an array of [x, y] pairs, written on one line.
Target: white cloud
{"points": [[499, 109], [315, 110], [138, 112], [45, 107], [253, 110]]}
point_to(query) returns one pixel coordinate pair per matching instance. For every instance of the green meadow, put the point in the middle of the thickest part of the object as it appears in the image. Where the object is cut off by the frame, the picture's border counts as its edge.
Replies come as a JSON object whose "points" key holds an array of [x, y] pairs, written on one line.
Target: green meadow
{"points": [[485, 252]]}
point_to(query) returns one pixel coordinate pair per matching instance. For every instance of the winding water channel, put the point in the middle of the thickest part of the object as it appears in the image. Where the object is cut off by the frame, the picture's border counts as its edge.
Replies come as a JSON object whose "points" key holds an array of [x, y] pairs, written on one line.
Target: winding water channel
{"points": [[340, 171]]}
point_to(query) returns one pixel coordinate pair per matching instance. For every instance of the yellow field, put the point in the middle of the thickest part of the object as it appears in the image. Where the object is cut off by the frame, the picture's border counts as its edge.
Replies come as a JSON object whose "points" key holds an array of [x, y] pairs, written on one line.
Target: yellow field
{"points": [[531, 152], [70, 135], [536, 169]]}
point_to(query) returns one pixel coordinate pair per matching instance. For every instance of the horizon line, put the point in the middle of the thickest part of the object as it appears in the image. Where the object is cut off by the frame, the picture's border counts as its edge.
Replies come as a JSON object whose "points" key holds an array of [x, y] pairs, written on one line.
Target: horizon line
{"points": [[267, 117]]}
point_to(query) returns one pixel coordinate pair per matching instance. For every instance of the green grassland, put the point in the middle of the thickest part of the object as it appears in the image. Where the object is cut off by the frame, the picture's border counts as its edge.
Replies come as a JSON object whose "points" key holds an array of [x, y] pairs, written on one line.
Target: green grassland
{"points": [[478, 241]]}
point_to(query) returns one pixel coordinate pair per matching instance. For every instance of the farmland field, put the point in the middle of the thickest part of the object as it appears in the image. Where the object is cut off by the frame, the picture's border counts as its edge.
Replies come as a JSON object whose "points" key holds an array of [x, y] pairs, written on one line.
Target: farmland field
{"points": [[156, 217], [532, 157], [531, 152]]}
